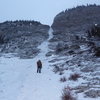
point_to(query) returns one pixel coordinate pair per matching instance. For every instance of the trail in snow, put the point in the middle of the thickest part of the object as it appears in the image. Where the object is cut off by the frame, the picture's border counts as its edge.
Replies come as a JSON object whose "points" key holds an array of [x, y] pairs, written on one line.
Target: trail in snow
{"points": [[40, 86], [19, 80]]}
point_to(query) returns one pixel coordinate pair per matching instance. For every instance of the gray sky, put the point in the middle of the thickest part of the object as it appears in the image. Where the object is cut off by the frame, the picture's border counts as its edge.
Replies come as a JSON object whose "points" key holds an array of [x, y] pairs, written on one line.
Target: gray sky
{"points": [[38, 10]]}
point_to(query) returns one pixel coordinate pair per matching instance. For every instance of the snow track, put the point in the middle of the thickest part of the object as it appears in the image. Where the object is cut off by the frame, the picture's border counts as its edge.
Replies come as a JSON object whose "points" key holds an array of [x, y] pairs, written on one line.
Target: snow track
{"points": [[21, 82]]}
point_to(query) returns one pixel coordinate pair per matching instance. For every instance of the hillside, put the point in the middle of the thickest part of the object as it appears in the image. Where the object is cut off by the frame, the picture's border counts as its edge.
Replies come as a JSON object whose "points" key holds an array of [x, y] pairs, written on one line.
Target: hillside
{"points": [[77, 27], [22, 37], [77, 34], [81, 17]]}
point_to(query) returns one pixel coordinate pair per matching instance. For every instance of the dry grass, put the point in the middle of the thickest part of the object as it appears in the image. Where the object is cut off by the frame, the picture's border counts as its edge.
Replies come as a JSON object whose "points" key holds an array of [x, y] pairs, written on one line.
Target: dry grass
{"points": [[67, 94]]}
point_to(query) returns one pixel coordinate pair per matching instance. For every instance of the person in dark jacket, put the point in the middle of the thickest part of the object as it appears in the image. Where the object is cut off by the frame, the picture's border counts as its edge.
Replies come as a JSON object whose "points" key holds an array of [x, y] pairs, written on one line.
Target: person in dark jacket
{"points": [[39, 66]]}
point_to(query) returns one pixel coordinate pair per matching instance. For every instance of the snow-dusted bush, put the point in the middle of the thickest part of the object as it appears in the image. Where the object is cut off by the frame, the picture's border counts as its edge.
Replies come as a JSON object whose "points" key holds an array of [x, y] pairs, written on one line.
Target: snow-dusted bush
{"points": [[63, 79], [74, 76], [67, 94]]}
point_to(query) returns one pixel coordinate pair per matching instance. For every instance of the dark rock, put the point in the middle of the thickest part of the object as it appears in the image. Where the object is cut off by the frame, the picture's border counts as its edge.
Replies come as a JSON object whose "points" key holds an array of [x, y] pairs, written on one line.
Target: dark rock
{"points": [[49, 54], [71, 52], [97, 51]]}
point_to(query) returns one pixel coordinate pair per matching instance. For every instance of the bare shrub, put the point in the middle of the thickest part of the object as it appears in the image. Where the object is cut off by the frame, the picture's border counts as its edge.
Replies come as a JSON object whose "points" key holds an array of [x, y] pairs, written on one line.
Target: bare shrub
{"points": [[63, 79], [74, 77], [67, 94]]}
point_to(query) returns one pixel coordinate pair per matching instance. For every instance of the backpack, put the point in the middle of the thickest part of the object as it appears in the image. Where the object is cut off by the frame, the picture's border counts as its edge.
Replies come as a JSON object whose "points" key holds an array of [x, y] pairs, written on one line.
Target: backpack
{"points": [[39, 64]]}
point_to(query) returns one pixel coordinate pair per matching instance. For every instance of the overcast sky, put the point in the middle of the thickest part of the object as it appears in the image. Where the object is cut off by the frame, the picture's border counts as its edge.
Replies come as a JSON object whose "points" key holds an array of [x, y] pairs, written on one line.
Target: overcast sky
{"points": [[38, 10]]}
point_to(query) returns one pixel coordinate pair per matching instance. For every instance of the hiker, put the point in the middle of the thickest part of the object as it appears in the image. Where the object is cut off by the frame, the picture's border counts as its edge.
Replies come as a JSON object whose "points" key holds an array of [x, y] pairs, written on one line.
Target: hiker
{"points": [[39, 66]]}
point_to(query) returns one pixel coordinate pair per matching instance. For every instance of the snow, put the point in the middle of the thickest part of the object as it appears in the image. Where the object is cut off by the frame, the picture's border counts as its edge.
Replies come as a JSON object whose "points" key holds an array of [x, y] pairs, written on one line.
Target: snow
{"points": [[83, 47], [19, 80]]}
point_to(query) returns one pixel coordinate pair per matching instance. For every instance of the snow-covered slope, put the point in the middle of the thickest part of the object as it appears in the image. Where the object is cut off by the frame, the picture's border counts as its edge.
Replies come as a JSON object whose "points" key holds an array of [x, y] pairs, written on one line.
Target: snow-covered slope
{"points": [[19, 80]]}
